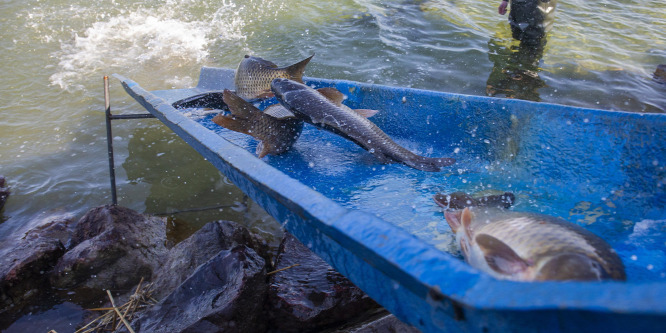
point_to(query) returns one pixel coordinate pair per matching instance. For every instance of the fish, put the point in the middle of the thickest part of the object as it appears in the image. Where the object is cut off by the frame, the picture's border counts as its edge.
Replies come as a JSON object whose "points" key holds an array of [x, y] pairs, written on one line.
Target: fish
{"points": [[276, 128], [460, 200], [327, 112], [254, 75], [532, 247]]}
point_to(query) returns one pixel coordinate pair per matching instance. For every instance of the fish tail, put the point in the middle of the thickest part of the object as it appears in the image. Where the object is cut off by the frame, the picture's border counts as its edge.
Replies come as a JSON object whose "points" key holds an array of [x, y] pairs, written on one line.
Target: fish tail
{"points": [[433, 164], [296, 70]]}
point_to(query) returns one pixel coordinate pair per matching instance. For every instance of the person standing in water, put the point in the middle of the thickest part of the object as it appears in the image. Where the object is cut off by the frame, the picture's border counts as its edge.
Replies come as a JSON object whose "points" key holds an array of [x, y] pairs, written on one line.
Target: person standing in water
{"points": [[530, 20]]}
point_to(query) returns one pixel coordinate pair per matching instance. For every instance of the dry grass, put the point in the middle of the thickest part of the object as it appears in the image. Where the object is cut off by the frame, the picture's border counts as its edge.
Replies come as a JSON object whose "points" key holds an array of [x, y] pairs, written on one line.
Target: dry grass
{"points": [[114, 317]]}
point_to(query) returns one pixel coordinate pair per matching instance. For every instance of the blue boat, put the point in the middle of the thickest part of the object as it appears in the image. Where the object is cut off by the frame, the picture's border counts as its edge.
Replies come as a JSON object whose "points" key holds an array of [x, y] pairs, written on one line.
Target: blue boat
{"points": [[378, 225]]}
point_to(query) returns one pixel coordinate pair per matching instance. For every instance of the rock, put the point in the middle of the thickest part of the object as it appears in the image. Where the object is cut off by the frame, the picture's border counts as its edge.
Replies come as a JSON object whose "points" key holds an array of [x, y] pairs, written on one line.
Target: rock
{"points": [[26, 257], [4, 192], [226, 294], [311, 296], [194, 251], [112, 248], [386, 323], [660, 74]]}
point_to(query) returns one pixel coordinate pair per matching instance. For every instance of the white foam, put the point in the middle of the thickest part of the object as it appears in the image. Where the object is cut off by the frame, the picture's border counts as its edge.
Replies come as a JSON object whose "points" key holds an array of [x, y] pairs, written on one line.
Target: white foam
{"points": [[146, 37]]}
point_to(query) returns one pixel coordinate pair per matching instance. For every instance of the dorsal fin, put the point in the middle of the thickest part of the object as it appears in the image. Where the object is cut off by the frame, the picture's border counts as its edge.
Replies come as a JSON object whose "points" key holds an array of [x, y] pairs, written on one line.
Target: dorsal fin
{"points": [[499, 256], [366, 113], [332, 94], [262, 62]]}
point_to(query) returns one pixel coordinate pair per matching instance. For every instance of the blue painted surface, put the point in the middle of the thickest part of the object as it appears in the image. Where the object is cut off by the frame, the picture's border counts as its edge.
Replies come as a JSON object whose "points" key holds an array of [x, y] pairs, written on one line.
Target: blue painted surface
{"points": [[377, 223]]}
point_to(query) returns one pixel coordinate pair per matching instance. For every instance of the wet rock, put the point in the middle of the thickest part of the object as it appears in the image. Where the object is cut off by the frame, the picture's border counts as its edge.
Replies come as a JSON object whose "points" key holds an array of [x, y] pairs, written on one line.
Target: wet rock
{"points": [[4, 192], [194, 251], [226, 294], [26, 257], [311, 296], [112, 248], [383, 322], [660, 74]]}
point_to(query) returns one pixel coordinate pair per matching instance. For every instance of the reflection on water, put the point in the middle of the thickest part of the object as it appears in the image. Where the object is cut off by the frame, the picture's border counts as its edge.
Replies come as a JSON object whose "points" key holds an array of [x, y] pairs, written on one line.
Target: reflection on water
{"points": [[515, 72], [186, 189]]}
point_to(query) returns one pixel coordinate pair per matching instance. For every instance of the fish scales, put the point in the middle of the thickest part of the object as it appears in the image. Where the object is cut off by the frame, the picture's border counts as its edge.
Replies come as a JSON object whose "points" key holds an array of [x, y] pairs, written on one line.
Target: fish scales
{"points": [[254, 75], [276, 128], [530, 246]]}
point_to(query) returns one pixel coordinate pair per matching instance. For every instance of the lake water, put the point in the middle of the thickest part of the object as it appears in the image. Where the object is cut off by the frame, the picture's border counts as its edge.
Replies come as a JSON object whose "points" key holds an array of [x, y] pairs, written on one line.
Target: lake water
{"points": [[599, 54]]}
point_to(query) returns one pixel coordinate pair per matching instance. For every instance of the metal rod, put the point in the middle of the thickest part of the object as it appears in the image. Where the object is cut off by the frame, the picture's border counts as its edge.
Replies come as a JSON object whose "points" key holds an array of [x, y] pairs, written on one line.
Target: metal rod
{"points": [[109, 141], [132, 116]]}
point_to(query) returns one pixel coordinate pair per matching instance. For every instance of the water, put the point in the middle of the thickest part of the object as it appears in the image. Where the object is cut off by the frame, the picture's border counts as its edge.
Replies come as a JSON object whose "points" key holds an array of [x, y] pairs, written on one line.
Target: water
{"points": [[600, 54]]}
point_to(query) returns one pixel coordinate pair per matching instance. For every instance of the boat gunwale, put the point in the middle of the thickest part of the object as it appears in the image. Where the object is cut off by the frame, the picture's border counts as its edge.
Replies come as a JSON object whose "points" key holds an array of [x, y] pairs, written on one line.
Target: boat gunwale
{"points": [[433, 270]]}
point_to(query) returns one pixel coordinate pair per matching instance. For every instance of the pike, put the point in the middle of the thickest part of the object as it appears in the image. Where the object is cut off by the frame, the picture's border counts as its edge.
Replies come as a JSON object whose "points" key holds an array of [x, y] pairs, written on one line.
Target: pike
{"points": [[328, 112], [254, 75], [532, 247], [276, 128]]}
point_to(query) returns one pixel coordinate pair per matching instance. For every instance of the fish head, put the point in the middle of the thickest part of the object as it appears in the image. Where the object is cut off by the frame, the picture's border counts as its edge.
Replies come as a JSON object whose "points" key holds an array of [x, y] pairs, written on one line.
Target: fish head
{"points": [[282, 87]]}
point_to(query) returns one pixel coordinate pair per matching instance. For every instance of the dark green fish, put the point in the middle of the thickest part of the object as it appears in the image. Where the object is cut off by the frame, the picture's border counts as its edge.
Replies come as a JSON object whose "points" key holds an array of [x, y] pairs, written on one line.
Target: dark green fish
{"points": [[460, 200], [276, 128], [254, 75], [326, 113]]}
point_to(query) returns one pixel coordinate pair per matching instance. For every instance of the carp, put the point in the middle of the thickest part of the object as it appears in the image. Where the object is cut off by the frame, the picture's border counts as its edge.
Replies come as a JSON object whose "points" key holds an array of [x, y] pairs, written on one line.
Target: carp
{"points": [[532, 247], [328, 112]]}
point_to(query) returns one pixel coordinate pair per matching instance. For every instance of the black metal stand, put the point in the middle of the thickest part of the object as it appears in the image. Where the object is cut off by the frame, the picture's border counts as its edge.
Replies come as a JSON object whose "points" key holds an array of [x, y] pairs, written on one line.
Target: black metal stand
{"points": [[109, 136]]}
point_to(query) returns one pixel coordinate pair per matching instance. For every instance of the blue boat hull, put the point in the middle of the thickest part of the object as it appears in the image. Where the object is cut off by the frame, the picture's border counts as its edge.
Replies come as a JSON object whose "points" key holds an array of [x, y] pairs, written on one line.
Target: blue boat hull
{"points": [[377, 224]]}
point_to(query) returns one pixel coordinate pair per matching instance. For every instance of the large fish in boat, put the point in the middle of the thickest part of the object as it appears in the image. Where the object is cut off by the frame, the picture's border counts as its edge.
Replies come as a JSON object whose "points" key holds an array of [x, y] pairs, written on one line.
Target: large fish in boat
{"points": [[327, 112], [532, 247], [276, 128], [254, 75]]}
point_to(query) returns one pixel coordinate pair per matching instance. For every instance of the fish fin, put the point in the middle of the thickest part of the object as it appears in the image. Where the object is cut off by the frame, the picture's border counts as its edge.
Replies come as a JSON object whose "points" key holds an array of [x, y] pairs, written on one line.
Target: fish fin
{"points": [[466, 221], [278, 111], [453, 219], [366, 113], [499, 256], [332, 94], [233, 123], [296, 70], [263, 62], [262, 149], [238, 106], [265, 94]]}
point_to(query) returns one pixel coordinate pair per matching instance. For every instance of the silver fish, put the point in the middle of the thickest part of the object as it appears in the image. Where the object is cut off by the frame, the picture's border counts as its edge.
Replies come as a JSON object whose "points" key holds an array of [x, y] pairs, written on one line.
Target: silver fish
{"points": [[319, 110], [532, 247], [254, 75], [276, 128]]}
